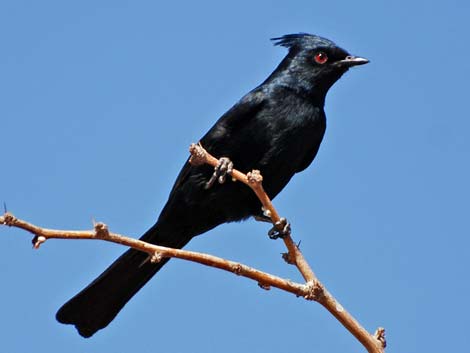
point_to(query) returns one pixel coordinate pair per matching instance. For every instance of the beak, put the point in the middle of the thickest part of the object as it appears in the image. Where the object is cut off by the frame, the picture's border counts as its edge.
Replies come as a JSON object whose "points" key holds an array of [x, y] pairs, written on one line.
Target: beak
{"points": [[352, 61]]}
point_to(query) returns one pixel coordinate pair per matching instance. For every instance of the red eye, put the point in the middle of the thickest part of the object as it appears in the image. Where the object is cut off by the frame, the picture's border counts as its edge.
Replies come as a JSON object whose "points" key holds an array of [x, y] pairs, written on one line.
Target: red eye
{"points": [[321, 58]]}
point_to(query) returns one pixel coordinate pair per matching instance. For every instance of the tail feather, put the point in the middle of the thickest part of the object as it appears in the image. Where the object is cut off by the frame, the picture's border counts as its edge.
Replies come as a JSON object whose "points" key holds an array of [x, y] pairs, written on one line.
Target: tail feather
{"points": [[98, 304]]}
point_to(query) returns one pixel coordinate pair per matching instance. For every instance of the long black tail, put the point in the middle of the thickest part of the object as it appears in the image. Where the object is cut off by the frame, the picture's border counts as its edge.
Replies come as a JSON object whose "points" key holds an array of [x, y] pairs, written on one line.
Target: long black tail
{"points": [[97, 305]]}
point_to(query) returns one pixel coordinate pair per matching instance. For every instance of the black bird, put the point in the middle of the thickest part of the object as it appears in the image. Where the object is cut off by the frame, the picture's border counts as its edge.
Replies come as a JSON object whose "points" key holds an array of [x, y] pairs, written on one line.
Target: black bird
{"points": [[277, 128]]}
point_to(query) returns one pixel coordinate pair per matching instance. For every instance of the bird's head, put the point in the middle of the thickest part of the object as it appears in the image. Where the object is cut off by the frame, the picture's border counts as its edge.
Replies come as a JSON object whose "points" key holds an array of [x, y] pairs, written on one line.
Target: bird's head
{"points": [[313, 63]]}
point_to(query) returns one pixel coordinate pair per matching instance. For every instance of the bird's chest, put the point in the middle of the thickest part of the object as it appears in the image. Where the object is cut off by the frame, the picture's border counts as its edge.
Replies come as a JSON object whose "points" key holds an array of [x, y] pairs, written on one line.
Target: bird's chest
{"points": [[295, 139], [294, 135]]}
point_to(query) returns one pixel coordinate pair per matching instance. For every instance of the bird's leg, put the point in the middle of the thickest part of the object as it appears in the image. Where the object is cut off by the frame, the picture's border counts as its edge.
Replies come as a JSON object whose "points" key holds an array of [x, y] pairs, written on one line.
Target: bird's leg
{"points": [[262, 218], [275, 232], [224, 167]]}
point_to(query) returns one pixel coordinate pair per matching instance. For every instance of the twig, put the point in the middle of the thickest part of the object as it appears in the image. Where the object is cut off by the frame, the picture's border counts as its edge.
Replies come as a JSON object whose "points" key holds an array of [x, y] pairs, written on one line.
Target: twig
{"points": [[311, 290], [373, 343], [254, 180], [156, 253]]}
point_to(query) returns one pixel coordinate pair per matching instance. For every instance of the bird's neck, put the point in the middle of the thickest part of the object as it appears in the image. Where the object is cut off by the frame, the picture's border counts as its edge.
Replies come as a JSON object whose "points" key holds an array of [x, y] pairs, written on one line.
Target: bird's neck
{"points": [[299, 85]]}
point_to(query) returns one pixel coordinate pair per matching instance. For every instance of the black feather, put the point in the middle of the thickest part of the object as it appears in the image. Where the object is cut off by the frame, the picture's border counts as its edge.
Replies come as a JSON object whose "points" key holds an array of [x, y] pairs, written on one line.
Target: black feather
{"points": [[302, 40], [277, 128]]}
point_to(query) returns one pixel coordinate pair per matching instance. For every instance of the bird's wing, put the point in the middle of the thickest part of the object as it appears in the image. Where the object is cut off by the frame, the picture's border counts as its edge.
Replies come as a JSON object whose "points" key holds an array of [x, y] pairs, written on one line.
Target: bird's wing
{"points": [[232, 136], [233, 126]]}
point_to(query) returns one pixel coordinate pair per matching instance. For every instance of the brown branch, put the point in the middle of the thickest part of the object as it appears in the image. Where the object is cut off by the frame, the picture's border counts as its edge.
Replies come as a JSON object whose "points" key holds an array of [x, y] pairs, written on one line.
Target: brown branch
{"points": [[254, 180], [373, 343], [156, 253], [311, 290]]}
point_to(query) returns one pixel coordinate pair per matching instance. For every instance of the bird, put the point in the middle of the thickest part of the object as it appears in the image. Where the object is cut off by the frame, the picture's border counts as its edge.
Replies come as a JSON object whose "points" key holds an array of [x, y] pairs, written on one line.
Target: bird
{"points": [[276, 128]]}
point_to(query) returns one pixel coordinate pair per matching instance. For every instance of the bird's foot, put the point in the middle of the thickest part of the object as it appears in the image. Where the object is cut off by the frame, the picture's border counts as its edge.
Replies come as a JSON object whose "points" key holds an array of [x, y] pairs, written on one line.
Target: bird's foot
{"points": [[280, 230], [224, 167]]}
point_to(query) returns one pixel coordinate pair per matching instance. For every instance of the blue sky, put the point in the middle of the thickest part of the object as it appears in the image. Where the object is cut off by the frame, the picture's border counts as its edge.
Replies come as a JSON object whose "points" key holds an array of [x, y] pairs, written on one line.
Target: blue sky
{"points": [[99, 102]]}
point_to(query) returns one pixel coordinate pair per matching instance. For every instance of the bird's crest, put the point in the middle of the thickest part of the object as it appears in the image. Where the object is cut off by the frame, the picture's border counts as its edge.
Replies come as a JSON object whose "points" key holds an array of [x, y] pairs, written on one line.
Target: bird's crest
{"points": [[302, 40]]}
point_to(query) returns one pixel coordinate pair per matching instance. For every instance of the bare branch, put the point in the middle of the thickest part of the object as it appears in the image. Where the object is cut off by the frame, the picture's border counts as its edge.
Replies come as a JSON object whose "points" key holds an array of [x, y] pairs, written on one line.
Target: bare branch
{"points": [[156, 253], [373, 343], [313, 289]]}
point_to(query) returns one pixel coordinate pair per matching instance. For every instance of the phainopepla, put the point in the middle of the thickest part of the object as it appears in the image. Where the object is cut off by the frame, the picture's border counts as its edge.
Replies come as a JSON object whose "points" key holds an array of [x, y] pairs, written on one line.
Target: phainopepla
{"points": [[276, 128]]}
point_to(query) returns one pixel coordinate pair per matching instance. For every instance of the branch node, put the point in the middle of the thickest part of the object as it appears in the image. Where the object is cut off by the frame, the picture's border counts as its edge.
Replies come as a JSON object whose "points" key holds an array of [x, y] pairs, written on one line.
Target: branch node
{"points": [[288, 258], [8, 219], [380, 336], [156, 257], [315, 291], [101, 230], [254, 177], [198, 154], [237, 269], [38, 240], [264, 286]]}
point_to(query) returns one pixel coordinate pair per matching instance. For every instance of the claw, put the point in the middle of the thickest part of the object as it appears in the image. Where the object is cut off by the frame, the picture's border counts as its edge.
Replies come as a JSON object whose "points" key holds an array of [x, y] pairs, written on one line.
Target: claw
{"points": [[275, 233], [224, 167]]}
